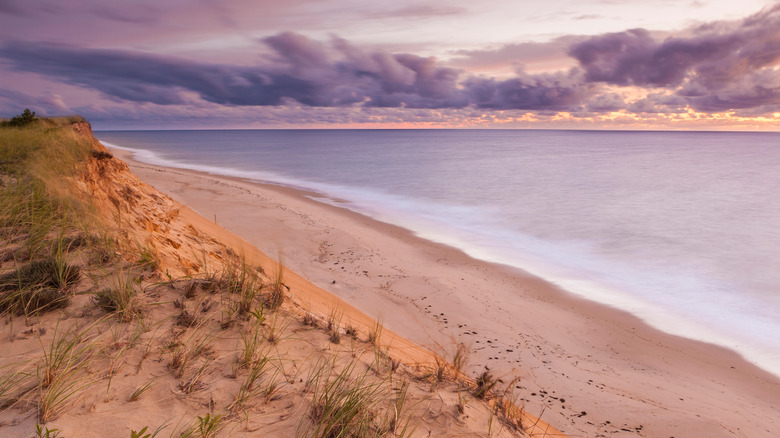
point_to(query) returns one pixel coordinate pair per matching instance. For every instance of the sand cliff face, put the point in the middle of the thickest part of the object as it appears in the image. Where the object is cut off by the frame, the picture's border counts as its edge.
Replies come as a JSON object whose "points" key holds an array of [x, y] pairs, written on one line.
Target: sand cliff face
{"points": [[143, 217], [85, 129]]}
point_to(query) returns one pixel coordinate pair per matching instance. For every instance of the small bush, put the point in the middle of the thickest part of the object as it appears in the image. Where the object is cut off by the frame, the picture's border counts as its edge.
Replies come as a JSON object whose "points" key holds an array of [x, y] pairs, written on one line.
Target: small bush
{"points": [[25, 118], [101, 155]]}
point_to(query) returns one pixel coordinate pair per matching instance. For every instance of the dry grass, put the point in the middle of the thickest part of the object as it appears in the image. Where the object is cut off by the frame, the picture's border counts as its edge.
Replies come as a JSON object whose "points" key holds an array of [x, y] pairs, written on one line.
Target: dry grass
{"points": [[274, 299]]}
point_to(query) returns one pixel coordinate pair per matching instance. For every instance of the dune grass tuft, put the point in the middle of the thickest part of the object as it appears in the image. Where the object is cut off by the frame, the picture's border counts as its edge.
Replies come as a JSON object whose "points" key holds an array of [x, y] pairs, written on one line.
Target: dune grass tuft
{"points": [[142, 389], [344, 403], [120, 297], [485, 383], [45, 432], [144, 434], [60, 371], [37, 286], [274, 299]]}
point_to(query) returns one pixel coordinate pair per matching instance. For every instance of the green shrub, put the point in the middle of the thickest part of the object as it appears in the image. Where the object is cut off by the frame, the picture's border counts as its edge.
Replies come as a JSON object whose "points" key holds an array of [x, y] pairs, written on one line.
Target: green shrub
{"points": [[25, 118]]}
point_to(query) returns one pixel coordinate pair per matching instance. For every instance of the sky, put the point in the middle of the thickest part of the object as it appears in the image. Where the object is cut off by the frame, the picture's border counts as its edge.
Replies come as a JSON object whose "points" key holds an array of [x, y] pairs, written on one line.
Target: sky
{"points": [[553, 64]]}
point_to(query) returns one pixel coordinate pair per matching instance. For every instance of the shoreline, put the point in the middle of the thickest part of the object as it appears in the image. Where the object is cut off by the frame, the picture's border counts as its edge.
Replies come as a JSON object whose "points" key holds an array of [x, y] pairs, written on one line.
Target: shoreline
{"points": [[696, 318], [575, 357]]}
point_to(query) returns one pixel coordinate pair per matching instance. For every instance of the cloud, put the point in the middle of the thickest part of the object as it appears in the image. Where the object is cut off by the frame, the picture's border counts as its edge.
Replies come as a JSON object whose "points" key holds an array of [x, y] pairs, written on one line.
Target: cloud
{"points": [[606, 102], [300, 70], [418, 11], [721, 66], [550, 55], [588, 17], [659, 103], [130, 14], [142, 77], [562, 91], [716, 67], [297, 50], [13, 102]]}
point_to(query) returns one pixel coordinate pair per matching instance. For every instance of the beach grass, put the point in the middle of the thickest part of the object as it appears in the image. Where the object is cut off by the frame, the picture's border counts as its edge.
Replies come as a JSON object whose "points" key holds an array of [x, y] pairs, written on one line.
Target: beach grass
{"points": [[120, 296], [37, 161], [344, 403]]}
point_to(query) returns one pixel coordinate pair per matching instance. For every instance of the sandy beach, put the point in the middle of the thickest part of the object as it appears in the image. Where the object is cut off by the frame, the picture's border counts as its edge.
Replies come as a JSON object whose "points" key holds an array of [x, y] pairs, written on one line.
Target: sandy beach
{"points": [[586, 369], [149, 317]]}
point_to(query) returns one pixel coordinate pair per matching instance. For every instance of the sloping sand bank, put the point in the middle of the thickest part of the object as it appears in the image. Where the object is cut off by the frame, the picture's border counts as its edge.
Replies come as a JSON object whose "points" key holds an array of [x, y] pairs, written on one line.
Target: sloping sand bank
{"points": [[587, 369]]}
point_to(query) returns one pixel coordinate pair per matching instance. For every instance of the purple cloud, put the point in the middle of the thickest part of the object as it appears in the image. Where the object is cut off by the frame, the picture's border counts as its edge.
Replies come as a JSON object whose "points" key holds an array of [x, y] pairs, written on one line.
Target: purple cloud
{"points": [[48, 104], [564, 91], [549, 53], [717, 67], [300, 69], [720, 67], [419, 11]]}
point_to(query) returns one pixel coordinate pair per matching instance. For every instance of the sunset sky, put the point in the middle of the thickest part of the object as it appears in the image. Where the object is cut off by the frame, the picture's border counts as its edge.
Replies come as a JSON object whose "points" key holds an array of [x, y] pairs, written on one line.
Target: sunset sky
{"points": [[569, 64]]}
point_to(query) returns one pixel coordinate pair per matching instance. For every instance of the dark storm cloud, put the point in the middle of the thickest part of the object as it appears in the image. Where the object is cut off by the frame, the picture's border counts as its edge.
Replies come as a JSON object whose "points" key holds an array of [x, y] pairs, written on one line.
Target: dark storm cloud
{"points": [[633, 57], [299, 69], [606, 102], [659, 103], [717, 67], [721, 66], [540, 92], [756, 96], [150, 78]]}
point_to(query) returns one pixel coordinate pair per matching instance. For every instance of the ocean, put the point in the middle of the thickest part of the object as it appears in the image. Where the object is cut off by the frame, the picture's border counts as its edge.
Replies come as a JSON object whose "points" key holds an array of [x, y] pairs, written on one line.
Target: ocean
{"points": [[679, 228]]}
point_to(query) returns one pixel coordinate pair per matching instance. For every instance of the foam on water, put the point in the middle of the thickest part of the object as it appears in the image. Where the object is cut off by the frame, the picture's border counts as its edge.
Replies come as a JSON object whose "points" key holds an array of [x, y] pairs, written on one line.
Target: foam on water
{"points": [[712, 308]]}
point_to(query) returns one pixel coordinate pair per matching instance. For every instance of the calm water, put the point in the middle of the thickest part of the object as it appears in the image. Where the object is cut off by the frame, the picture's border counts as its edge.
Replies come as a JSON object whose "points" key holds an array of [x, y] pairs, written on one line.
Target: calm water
{"points": [[682, 229]]}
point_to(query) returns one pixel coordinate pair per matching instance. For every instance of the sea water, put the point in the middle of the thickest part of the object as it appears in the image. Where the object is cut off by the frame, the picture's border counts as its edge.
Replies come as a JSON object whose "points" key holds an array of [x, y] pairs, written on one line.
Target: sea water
{"points": [[680, 228]]}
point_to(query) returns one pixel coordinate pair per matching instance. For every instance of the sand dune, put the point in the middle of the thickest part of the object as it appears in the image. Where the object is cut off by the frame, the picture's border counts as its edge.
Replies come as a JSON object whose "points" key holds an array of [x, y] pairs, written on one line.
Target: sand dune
{"points": [[170, 324]]}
